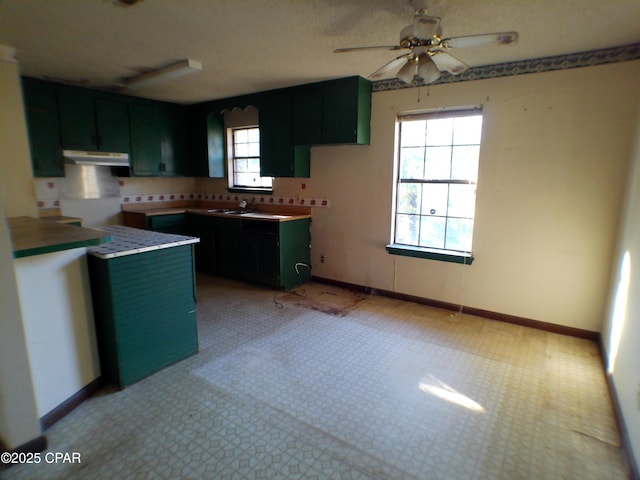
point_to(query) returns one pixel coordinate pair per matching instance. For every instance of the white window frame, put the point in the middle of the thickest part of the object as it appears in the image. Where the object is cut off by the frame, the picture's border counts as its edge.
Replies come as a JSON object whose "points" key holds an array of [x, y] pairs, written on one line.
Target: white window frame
{"points": [[238, 119], [423, 249]]}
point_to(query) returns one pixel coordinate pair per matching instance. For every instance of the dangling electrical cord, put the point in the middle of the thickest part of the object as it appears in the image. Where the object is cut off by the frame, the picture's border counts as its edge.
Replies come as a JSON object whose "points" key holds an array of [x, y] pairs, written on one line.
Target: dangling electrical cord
{"points": [[304, 291]]}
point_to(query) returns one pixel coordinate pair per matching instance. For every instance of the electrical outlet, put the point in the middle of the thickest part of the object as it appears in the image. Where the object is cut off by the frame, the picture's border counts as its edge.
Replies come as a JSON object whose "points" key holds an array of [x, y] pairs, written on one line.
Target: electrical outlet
{"points": [[322, 258]]}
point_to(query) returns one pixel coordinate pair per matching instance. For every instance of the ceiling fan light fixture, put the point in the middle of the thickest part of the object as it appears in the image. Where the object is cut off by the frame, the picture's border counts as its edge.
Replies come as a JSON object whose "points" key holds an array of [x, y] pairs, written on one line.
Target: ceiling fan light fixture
{"points": [[169, 72], [407, 72], [428, 72]]}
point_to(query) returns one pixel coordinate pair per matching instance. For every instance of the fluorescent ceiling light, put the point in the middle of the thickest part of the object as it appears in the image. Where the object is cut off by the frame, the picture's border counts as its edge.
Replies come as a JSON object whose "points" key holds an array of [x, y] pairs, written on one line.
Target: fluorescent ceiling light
{"points": [[175, 70]]}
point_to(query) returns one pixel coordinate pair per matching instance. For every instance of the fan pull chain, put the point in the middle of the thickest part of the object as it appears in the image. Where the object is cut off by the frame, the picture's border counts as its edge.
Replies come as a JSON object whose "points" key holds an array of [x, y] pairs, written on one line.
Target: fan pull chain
{"points": [[420, 91]]}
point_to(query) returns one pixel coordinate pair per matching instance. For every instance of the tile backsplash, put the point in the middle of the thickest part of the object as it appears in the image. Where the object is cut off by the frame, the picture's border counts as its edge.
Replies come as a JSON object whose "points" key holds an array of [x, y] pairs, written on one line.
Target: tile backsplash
{"points": [[229, 197]]}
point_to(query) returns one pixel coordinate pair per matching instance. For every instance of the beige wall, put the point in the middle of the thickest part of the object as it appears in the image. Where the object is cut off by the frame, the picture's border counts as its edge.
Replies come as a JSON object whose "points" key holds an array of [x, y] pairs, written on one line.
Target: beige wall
{"points": [[553, 160], [18, 416], [621, 331], [16, 181]]}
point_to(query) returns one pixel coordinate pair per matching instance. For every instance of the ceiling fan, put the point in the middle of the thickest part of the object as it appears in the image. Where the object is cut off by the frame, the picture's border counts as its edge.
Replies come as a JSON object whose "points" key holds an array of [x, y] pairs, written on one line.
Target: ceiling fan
{"points": [[428, 54]]}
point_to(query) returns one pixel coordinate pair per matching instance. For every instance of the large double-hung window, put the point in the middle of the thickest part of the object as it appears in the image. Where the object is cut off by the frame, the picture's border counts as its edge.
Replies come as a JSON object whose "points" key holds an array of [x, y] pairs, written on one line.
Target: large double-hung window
{"points": [[435, 189]]}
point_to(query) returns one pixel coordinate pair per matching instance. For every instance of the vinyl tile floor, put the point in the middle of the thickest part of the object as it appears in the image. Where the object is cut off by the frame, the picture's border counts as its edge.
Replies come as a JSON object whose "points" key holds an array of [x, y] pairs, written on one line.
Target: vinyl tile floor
{"points": [[389, 390]]}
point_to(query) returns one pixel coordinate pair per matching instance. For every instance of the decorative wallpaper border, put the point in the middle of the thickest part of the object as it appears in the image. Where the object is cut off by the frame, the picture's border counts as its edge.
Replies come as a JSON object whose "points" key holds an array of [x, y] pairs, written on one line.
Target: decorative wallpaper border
{"points": [[228, 197], [559, 62]]}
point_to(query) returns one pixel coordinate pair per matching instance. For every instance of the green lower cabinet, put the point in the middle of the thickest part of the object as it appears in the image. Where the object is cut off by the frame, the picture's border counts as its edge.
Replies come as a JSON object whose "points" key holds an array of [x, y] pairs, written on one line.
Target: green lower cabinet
{"points": [[202, 227], [294, 254], [174, 223], [145, 312], [256, 251]]}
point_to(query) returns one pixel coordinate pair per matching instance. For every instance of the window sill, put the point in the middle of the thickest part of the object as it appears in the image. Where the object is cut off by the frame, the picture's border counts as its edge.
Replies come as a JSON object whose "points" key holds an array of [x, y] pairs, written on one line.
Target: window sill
{"points": [[452, 256], [258, 191]]}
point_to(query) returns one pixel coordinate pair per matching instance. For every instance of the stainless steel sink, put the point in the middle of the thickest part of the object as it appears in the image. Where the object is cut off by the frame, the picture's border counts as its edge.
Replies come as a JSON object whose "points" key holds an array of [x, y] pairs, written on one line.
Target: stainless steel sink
{"points": [[237, 212]]}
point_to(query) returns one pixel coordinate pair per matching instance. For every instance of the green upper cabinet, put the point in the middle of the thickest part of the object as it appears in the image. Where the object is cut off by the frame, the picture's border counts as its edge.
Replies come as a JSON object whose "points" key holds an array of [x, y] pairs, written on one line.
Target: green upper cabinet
{"points": [[92, 122], [306, 128], [206, 143], [332, 112], [146, 139], [41, 111], [174, 140], [279, 157], [158, 140], [112, 122]]}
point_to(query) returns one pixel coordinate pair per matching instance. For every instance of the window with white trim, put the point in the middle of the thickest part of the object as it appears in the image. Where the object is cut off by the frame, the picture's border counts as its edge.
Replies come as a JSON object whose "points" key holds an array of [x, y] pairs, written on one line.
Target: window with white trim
{"points": [[244, 159], [435, 191]]}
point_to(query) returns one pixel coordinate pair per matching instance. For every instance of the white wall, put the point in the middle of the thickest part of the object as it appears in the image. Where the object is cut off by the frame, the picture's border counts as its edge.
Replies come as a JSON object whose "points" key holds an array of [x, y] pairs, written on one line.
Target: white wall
{"points": [[59, 327], [621, 332], [553, 161], [18, 416]]}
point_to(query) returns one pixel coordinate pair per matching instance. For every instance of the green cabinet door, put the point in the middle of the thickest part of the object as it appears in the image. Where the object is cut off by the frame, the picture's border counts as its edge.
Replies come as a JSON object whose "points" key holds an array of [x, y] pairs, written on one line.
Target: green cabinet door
{"points": [[90, 122], [307, 128], [340, 110], [268, 259], [279, 157], [77, 119], [203, 227], [112, 125], [295, 256], [332, 112], [174, 223], [216, 155], [174, 141], [41, 110], [146, 143]]}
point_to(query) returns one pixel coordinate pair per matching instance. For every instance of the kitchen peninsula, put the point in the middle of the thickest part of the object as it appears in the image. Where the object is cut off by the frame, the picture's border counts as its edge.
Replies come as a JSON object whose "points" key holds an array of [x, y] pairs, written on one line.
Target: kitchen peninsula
{"points": [[53, 288]]}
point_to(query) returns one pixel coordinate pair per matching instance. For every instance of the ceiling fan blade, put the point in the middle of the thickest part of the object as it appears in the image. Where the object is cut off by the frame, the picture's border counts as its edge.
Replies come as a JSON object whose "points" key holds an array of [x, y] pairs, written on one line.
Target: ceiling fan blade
{"points": [[446, 61], [389, 70], [425, 26], [377, 47], [482, 40]]}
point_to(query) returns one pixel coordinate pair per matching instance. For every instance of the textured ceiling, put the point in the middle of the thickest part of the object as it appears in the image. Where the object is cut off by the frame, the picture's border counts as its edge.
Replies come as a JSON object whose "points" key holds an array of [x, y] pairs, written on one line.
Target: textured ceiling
{"points": [[253, 45]]}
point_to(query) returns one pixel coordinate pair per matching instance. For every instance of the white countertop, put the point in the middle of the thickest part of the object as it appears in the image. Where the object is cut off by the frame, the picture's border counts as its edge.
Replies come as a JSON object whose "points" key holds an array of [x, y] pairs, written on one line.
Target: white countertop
{"points": [[129, 241]]}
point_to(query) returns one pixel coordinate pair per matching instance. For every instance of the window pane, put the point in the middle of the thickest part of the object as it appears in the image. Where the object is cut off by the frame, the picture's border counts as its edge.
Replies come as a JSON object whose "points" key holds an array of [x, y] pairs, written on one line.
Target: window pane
{"points": [[247, 179], [462, 200], [253, 150], [438, 162], [440, 131], [412, 133], [241, 165], [468, 130], [242, 150], [409, 198], [412, 162], [434, 199], [240, 136], [432, 232], [253, 165], [459, 234], [406, 229], [253, 135], [464, 163]]}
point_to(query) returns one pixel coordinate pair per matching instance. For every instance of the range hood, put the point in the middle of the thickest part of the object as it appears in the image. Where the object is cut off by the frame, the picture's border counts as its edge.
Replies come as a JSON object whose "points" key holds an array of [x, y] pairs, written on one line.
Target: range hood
{"points": [[107, 159]]}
